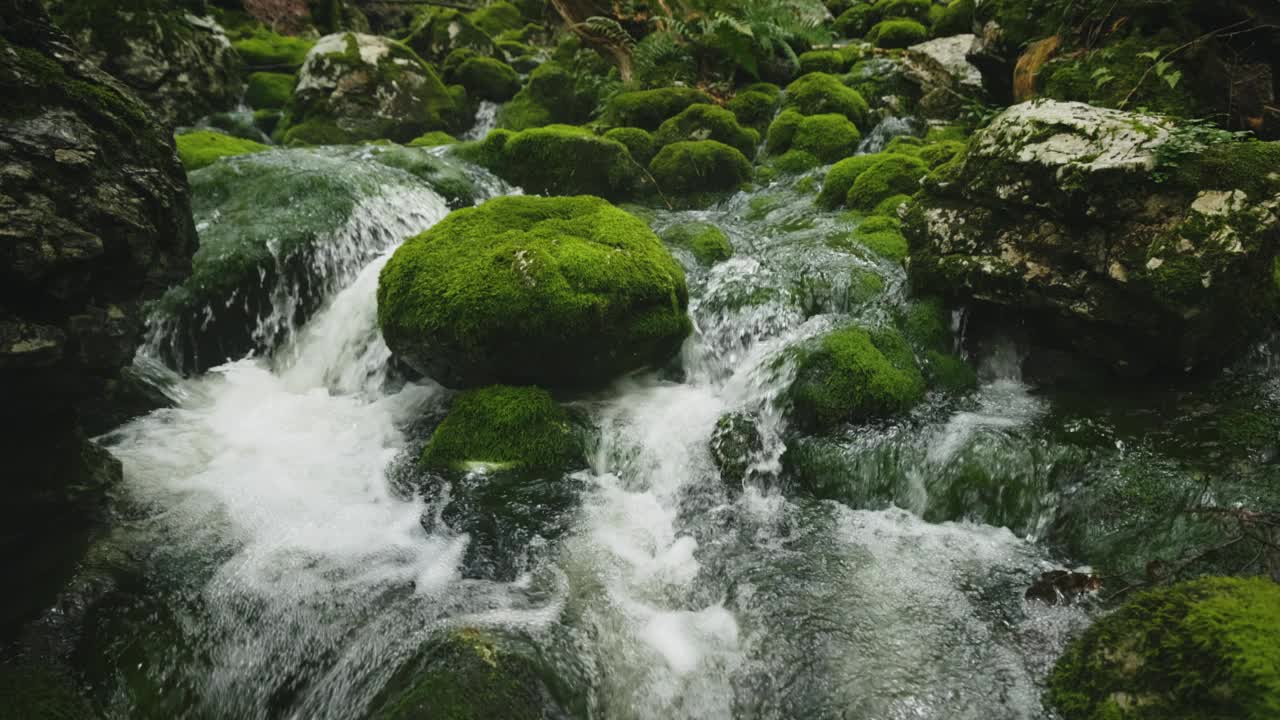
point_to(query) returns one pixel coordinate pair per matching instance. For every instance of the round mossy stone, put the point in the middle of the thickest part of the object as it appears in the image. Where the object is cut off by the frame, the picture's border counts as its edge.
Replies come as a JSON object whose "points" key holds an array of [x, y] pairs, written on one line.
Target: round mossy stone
{"points": [[639, 142], [557, 292], [269, 90], [854, 375], [707, 122], [1209, 648], [488, 79], [893, 175], [819, 94], [699, 167], [204, 147], [707, 242], [505, 428]]}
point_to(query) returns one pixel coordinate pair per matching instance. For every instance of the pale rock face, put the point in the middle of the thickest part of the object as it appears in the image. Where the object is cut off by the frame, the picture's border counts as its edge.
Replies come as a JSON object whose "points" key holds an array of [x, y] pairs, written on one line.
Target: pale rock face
{"points": [[1063, 210], [942, 70]]}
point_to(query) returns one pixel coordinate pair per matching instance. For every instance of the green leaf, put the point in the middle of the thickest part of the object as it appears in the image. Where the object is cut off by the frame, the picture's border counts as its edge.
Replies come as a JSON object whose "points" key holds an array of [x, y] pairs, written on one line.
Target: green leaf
{"points": [[1152, 56], [1173, 78]]}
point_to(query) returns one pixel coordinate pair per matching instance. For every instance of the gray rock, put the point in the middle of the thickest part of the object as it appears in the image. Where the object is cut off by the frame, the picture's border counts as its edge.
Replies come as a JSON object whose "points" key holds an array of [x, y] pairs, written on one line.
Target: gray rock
{"points": [[946, 78], [1124, 248]]}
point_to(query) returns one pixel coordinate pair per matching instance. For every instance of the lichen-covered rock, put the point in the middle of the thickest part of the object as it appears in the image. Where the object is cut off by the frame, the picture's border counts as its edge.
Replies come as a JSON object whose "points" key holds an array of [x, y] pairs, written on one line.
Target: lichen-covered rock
{"points": [[707, 122], [699, 167], [364, 87], [1205, 648], [95, 217], [527, 290], [1130, 248], [562, 160], [180, 64], [946, 78], [203, 147], [648, 109], [854, 375], [505, 428]]}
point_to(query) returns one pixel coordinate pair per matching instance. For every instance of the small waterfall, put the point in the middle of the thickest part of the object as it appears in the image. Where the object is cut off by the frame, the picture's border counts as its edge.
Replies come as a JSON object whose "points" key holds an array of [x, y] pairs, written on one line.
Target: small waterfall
{"points": [[486, 120], [886, 130]]}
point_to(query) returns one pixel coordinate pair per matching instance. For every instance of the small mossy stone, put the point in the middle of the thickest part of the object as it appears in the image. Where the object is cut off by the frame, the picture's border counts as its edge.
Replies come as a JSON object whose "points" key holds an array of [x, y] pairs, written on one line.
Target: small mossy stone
{"points": [[794, 162], [753, 109], [556, 292], [956, 18], [820, 93], [648, 109], [1208, 648], [855, 22], [854, 375], [497, 18], [505, 428], [488, 79], [892, 175], [435, 138], [825, 61], [897, 34], [204, 147], [828, 137], [940, 153], [708, 243], [699, 167], [567, 160], [639, 143], [553, 94], [267, 50], [707, 122], [905, 145], [269, 90], [882, 237], [841, 176], [735, 444]]}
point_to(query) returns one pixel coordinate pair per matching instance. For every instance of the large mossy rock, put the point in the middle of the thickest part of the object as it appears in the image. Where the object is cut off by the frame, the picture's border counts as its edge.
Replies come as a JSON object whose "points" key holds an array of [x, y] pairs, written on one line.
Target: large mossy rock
{"points": [[561, 160], [438, 31], [854, 375], [180, 64], [363, 87], [648, 109], [526, 290], [95, 217], [1131, 240], [693, 170], [1209, 648]]}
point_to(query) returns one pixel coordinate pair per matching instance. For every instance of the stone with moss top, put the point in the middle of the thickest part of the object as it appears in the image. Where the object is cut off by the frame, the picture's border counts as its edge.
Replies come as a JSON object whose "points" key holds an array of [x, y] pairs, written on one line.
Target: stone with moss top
{"points": [[204, 147], [697, 169], [557, 292], [891, 175], [827, 137], [639, 143], [505, 428], [648, 109], [487, 79], [897, 34], [754, 108], [707, 122], [854, 375], [564, 160], [820, 94], [1204, 648], [708, 243]]}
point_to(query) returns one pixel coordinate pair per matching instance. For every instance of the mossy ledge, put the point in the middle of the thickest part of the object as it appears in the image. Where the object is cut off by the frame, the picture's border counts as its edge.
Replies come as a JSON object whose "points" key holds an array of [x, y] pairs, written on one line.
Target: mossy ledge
{"points": [[557, 292]]}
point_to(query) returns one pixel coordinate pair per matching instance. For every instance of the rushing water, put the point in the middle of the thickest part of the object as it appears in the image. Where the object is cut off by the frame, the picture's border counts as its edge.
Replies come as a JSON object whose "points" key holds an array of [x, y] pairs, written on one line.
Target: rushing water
{"points": [[267, 562]]}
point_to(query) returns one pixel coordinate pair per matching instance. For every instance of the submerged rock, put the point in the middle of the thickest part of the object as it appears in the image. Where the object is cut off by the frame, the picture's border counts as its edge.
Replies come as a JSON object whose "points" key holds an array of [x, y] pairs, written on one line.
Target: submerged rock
{"points": [[180, 64], [527, 290], [853, 375], [364, 87], [1206, 648], [735, 444], [1129, 246], [95, 219]]}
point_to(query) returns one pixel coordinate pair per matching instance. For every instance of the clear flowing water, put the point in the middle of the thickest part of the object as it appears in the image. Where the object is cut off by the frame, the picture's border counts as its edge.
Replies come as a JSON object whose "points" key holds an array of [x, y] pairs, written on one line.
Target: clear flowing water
{"points": [[268, 562]]}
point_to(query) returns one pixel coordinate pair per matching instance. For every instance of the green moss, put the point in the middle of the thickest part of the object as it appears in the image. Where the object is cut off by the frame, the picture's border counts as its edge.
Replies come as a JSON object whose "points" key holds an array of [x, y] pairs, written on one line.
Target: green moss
{"points": [[956, 19], [892, 175], [552, 95], [271, 51], [268, 90], [469, 675], [317, 132], [820, 93], [853, 375], [1250, 166], [943, 133], [698, 167], [1116, 73], [753, 109], [639, 143], [855, 22], [794, 162], [948, 373], [940, 153], [824, 61], [497, 18], [648, 109], [883, 236], [51, 82], [889, 206], [488, 79], [707, 122], [502, 427], [204, 147], [924, 322], [1209, 648], [835, 188], [707, 242], [905, 145], [828, 137], [567, 160], [434, 138], [895, 34], [909, 9], [529, 290]]}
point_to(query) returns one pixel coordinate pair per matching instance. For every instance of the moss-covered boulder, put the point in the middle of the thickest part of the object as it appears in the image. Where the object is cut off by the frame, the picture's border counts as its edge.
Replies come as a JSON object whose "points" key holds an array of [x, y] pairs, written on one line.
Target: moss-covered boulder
{"points": [[438, 31], [898, 33], [268, 51], [707, 122], [841, 176], [527, 290], [496, 18], [562, 160], [820, 94], [505, 428], [203, 147], [700, 167], [1124, 244], [882, 235], [828, 137], [487, 79], [648, 109], [363, 87], [553, 95], [956, 18], [1201, 649], [755, 106], [639, 143], [707, 243], [269, 90], [854, 375], [467, 674], [893, 174], [181, 64]]}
